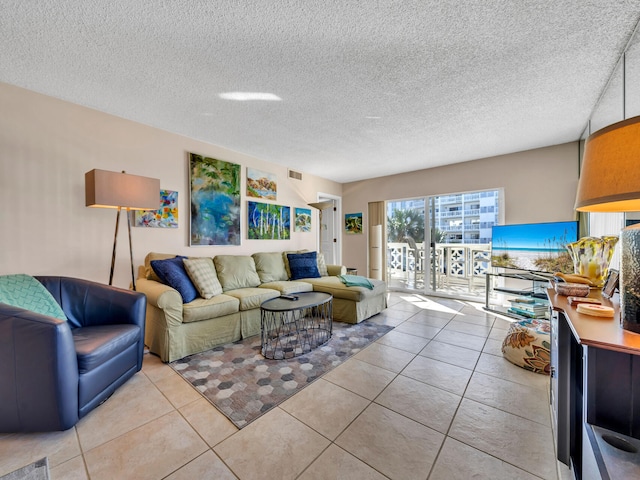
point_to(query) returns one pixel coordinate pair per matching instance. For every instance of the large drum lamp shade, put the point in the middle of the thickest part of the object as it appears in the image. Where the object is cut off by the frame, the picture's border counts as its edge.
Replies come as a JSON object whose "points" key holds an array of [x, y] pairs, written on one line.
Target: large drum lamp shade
{"points": [[610, 182]]}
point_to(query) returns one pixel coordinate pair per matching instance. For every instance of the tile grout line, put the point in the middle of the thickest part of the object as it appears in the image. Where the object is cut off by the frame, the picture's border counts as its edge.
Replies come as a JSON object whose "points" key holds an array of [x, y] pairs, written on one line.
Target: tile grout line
{"points": [[463, 397]]}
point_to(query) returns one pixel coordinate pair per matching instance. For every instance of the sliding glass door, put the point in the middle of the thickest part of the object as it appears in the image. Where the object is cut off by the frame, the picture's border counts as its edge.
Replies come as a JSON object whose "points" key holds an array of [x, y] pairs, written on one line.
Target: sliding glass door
{"points": [[406, 244], [441, 244]]}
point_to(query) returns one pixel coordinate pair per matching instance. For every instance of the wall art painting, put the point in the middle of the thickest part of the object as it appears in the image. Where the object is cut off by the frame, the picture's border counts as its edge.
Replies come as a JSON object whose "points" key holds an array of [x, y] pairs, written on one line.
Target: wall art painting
{"points": [[215, 201], [303, 220], [165, 217], [268, 222], [353, 223], [261, 184]]}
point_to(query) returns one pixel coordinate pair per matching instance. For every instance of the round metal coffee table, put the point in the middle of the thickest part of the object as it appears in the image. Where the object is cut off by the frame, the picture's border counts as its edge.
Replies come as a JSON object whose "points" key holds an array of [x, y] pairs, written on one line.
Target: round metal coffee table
{"points": [[290, 328]]}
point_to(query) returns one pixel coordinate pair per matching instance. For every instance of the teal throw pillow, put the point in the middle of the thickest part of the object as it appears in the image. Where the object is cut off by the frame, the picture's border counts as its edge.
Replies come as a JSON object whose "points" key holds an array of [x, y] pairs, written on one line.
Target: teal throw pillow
{"points": [[24, 291], [172, 272], [303, 265]]}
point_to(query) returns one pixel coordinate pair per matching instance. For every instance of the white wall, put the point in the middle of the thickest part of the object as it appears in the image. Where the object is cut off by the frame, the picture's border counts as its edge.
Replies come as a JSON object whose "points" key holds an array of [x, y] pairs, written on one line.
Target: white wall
{"points": [[47, 145], [539, 186]]}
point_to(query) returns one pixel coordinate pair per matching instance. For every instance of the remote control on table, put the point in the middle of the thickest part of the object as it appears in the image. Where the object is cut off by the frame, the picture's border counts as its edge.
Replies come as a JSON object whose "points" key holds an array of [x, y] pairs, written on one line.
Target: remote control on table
{"points": [[289, 297]]}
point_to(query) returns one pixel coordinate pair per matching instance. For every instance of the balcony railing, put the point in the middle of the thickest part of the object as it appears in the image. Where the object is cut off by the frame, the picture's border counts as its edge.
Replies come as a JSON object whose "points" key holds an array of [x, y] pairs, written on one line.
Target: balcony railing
{"points": [[451, 199], [459, 228], [454, 263], [460, 213]]}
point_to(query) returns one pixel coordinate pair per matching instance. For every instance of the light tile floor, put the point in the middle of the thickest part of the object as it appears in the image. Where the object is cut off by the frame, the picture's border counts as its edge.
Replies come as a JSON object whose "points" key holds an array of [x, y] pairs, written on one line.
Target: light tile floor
{"points": [[433, 399]]}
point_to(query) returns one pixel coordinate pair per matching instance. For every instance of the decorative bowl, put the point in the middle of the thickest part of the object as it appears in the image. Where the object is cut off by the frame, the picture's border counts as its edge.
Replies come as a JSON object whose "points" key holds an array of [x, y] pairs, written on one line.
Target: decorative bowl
{"points": [[572, 289]]}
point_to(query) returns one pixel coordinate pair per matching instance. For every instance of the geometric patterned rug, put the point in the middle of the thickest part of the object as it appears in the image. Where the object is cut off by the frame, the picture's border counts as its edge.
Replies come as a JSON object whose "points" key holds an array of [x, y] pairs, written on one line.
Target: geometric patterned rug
{"points": [[243, 385], [38, 470]]}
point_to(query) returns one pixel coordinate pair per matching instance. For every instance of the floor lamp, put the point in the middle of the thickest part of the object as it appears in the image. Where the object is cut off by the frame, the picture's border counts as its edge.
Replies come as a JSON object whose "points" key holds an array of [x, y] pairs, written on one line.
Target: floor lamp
{"points": [[610, 182], [104, 189]]}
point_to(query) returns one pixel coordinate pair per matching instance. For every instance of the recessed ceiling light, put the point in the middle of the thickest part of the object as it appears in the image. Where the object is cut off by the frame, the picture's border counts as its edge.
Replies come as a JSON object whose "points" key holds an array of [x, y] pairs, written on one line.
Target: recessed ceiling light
{"points": [[372, 117], [245, 96]]}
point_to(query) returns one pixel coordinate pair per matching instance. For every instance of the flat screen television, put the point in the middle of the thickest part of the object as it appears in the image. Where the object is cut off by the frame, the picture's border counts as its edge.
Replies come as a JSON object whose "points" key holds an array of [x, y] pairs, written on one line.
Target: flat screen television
{"points": [[535, 247]]}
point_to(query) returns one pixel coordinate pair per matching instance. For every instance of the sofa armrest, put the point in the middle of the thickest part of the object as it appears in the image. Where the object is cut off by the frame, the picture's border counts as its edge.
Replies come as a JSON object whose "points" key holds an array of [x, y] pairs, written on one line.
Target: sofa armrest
{"points": [[38, 372], [335, 270], [163, 297]]}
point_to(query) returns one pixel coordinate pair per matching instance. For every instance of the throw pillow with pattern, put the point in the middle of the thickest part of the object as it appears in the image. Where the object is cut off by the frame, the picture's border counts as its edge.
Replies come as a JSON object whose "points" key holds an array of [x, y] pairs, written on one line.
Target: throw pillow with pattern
{"points": [[303, 265], [203, 275]]}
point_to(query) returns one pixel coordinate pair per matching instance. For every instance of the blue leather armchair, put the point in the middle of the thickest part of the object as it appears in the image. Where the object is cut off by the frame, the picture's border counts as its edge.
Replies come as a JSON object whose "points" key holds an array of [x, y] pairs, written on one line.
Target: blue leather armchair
{"points": [[53, 372]]}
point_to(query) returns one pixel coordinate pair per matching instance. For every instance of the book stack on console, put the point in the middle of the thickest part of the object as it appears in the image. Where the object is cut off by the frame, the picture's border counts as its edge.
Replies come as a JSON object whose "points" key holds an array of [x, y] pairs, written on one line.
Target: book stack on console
{"points": [[529, 307]]}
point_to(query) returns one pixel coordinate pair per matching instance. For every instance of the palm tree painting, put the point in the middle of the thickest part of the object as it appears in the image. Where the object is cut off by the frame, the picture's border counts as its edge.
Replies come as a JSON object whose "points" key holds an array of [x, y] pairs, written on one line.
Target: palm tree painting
{"points": [[353, 223], [215, 201], [268, 221]]}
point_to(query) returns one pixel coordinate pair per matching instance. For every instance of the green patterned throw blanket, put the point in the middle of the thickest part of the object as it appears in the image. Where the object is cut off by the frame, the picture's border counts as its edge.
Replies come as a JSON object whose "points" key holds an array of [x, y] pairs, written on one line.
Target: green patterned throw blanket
{"points": [[24, 291], [356, 281]]}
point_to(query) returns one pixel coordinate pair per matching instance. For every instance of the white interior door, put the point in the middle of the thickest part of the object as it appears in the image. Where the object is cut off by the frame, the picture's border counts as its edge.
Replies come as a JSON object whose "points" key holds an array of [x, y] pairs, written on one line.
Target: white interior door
{"points": [[329, 230]]}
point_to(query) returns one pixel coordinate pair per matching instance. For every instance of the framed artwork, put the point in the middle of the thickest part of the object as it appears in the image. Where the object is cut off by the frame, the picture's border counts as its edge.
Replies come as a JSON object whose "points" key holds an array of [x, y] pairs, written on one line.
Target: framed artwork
{"points": [[267, 221], [303, 220], [611, 284], [215, 201], [165, 217], [353, 223], [261, 184]]}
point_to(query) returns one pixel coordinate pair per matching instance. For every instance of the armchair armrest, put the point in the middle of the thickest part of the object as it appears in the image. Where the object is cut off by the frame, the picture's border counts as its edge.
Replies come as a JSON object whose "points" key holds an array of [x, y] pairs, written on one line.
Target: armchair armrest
{"points": [[38, 372]]}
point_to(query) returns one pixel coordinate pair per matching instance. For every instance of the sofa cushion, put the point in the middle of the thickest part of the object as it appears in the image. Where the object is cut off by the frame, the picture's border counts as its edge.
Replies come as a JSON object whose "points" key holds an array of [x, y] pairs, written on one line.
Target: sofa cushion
{"points": [[149, 274], [303, 265], [289, 286], [206, 308], [270, 267], [99, 344], [236, 271], [251, 298], [24, 291], [335, 287], [171, 272], [322, 265], [203, 274]]}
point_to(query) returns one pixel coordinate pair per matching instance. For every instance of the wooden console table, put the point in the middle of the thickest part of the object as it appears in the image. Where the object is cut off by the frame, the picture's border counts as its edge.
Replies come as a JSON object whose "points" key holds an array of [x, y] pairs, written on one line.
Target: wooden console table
{"points": [[595, 375]]}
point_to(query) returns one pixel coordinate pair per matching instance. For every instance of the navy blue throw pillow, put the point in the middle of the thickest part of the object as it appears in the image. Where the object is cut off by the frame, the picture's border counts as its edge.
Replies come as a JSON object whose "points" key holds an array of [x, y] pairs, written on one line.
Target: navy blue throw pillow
{"points": [[171, 271], [303, 265]]}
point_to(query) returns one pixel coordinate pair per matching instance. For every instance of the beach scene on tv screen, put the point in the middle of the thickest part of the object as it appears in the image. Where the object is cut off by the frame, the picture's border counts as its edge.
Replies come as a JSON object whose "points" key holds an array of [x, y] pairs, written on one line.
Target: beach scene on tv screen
{"points": [[539, 247]]}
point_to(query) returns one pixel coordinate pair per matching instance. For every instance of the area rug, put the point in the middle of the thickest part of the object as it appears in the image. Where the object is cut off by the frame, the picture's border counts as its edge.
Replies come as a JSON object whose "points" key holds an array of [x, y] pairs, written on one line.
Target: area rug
{"points": [[38, 470], [243, 385]]}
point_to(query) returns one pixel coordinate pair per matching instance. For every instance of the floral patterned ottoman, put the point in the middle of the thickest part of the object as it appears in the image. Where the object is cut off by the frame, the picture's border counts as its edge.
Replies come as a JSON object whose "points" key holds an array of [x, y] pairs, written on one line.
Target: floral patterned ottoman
{"points": [[528, 345]]}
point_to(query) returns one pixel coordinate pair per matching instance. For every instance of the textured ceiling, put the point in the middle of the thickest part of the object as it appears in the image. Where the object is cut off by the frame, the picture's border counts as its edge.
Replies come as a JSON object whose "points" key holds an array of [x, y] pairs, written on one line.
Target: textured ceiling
{"points": [[367, 88]]}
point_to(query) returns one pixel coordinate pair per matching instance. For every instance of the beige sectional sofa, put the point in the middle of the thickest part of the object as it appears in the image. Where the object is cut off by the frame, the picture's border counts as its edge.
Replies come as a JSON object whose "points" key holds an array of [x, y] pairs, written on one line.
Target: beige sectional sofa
{"points": [[229, 290]]}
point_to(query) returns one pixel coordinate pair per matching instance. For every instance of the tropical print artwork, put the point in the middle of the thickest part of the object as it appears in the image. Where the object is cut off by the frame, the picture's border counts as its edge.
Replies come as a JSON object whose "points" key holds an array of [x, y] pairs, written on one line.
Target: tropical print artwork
{"points": [[353, 223], [165, 217], [268, 222], [261, 184], [303, 220], [215, 201]]}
